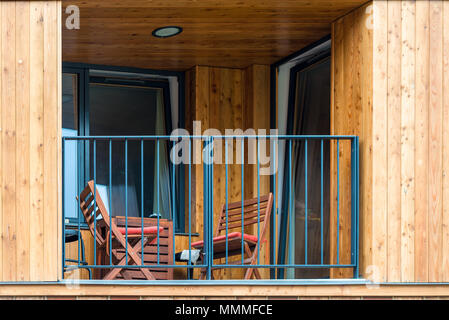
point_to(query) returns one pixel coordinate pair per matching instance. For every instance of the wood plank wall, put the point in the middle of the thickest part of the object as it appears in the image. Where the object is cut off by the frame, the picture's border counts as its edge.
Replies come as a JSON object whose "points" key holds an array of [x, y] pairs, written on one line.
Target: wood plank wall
{"points": [[351, 115], [30, 57], [404, 136], [223, 98]]}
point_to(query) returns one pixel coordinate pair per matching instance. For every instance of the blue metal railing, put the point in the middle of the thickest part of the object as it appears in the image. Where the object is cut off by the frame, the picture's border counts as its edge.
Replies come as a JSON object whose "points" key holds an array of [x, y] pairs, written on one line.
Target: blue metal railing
{"points": [[294, 152]]}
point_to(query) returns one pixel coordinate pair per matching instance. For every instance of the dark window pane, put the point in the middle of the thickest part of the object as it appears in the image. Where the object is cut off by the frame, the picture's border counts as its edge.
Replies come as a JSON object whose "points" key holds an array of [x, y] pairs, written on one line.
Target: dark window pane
{"points": [[122, 110], [70, 129], [70, 101]]}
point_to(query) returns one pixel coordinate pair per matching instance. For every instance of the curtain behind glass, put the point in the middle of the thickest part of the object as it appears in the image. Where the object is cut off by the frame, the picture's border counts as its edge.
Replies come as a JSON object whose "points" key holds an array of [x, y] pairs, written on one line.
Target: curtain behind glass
{"points": [[164, 172], [118, 110], [311, 116]]}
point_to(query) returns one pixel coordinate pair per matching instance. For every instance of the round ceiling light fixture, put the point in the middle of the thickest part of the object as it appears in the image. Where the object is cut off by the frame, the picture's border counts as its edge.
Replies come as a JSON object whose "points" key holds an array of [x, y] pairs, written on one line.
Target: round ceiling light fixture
{"points": [[165, 32]]}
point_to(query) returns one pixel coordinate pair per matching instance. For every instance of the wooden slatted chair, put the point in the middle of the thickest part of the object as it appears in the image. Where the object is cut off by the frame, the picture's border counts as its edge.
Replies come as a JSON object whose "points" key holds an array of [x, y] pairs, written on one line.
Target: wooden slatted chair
{"points": [[104, 228], [151, 249], [251, 243]]}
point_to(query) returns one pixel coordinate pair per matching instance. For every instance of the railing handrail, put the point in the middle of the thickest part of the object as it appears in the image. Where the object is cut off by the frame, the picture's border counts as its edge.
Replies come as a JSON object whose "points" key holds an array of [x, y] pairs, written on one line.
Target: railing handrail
{"points": [[205, 137]]}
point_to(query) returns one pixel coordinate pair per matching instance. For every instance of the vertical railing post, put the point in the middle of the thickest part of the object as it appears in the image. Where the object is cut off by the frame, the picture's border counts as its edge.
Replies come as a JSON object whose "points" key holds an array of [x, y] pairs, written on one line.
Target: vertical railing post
{"points": [[126, 200], [258, 201], [357, 208], [110, 196], [291, 211], [77, 207], [158, 196], [211, 207], [338, 201], [321, 203], [207, 230], [173, 197], [190, 207], [226, 197], [243, 193], [354, 204], [63, 211], [141, 202], [273, 221], [305, 203], [95, 201]]}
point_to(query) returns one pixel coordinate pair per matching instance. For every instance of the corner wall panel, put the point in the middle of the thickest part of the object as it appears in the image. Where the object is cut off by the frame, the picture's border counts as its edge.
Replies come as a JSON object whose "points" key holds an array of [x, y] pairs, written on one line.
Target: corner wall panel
{"points": [[379, 136], [394, 143], [445, 246], [8, 83], [407, 142], [435, 141], [36, 140], [421, 140], [406, 238], [30, 129], [51, 129], [23, 139], [351, 100]]}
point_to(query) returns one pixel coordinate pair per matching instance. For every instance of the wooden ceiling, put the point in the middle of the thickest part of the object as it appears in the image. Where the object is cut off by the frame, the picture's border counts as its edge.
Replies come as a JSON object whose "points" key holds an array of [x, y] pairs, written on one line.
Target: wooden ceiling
{"points": [[226, 33]]}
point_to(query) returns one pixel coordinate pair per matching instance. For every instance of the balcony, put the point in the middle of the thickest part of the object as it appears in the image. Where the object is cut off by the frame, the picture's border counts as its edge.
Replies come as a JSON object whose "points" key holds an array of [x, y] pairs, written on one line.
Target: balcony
{"points": [[211, 207]]}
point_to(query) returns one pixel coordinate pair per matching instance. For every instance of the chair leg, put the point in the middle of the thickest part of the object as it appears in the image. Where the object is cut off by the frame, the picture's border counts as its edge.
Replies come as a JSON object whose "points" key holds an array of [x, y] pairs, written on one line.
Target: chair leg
{"points": [[204, 271], [251, 271], [133, 256]]}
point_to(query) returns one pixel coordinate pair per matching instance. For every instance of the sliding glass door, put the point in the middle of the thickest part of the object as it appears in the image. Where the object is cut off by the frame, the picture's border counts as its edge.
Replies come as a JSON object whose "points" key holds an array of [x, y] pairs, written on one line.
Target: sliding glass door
{"points": [[103, 103], [124, 107], [308, 114]]}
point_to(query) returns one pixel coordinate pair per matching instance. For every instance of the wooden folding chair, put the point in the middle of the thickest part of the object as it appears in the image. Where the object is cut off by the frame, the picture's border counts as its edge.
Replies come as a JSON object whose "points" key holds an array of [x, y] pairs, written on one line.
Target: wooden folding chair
{"points": [[151, 250], [104, 228], [251, 243]]}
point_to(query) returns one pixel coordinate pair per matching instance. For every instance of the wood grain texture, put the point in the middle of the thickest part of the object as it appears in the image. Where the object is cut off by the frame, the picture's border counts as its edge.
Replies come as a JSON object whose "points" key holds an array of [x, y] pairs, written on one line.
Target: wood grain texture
{"points": [[445, 246], [1, 162], [59, 214], [403, 130], [233, 33], [394, 141], [51, 129], [435, 142], [351, 114], [336, 116], [379, 136], [8, 83], [103, 291], [421, 140], [408, 142], [23, 139], [31, 67], [403, 233], [36, 140]]}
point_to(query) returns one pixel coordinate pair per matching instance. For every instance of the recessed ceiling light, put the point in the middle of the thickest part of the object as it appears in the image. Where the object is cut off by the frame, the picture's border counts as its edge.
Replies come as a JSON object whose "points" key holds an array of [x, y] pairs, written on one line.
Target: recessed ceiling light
{"points": [[166, 32]]}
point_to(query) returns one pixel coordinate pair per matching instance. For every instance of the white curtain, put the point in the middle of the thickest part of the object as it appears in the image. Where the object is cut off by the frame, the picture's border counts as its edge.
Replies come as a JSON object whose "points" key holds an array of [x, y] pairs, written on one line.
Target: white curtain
{"points": [[164, 171]]}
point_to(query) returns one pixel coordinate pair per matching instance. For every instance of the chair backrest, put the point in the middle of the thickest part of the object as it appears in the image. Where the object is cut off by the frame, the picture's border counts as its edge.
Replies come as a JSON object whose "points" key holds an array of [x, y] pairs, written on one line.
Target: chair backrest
{"points": [[98, 219], [253, 212]]}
